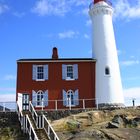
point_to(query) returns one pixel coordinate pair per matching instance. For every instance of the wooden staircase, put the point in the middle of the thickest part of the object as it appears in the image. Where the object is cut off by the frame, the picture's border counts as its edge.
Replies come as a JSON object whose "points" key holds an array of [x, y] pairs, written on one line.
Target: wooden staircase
{"points": [[36, 125], [40, 132]]}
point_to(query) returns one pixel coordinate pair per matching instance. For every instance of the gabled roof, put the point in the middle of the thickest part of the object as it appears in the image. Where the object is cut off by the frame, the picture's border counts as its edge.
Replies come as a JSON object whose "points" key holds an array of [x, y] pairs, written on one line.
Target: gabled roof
{"points": [[58, 60]]}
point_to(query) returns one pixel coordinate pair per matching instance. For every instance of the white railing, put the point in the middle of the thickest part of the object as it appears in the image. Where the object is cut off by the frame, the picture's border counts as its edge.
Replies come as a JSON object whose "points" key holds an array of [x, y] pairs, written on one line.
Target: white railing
{"points": [[70, 104], [49, 130], [21, 118], [30, 130], [8, 106], [42, 122], [34, 114], [26, 125]]}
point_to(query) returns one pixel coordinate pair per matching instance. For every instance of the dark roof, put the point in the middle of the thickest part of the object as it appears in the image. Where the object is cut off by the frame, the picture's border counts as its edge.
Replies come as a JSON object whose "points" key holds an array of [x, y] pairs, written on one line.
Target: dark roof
{"points": [[58, 60]]}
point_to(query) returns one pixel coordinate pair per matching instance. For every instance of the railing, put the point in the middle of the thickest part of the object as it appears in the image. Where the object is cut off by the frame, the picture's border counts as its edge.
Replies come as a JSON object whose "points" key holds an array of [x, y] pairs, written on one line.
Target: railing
{"points": [[42, 122], [49, 130], [34, 114], [20, 118], [69, 104], [26, 125], [30, 129], [8, 106]]}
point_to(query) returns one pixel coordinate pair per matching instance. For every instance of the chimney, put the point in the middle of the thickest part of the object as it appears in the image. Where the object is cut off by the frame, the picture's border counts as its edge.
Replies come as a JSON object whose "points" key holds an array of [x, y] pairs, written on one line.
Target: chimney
{"points": [[55, 53]]}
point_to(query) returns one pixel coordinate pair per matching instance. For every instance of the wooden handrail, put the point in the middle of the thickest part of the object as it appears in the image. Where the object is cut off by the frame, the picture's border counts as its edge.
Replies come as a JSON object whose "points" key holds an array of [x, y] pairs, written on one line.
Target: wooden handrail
{"points": [[31, 128], [49, 129]]}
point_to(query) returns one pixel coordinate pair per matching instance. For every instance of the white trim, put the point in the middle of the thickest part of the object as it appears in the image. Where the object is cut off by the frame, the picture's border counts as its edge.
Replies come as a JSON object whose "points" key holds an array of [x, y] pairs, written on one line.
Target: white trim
{"points": [[69, 79], [70, 105], [50, 61], [40, 80]]}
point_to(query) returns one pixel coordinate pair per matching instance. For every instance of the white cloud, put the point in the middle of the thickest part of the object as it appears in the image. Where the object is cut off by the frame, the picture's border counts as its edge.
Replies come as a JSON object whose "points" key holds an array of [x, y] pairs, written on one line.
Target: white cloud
{"points": [[5, 89], [7, 97], [85, 11], [10, 77], [130, 94], [119, 52], [68, 34], [132, 78], [124, 10], [18, 14], [58, 7], [88, 22], [53, 7], [86, 36], [90, 51], [129, 62], [3, 8], [80, 2]]}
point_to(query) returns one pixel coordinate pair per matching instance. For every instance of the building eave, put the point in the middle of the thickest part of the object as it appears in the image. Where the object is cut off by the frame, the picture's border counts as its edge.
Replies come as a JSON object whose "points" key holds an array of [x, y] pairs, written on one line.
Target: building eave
{"points": [[56, 60]]}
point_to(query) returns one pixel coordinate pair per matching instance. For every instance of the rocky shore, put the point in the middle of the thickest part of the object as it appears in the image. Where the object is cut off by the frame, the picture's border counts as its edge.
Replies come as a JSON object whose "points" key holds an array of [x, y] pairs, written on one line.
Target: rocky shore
{"points": [[117, 124]]}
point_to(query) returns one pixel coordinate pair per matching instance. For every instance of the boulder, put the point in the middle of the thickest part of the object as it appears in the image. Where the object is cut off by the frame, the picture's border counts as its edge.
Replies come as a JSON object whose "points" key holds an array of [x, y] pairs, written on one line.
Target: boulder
{"points": [[112, 125]]}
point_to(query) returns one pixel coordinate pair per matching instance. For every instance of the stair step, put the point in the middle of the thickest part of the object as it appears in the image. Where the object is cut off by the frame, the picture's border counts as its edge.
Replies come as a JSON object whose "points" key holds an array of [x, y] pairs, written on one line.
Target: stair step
{"points": [[41, 134]]}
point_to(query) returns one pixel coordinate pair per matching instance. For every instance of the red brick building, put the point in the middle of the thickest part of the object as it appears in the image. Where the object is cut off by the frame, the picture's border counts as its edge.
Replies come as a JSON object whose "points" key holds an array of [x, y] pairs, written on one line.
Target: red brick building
{"points": [[56, 83]]}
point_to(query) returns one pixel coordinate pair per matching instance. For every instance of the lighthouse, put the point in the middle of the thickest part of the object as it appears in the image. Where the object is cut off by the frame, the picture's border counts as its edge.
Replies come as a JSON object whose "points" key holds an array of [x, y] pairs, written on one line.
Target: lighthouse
{"points": [[108, 90]]}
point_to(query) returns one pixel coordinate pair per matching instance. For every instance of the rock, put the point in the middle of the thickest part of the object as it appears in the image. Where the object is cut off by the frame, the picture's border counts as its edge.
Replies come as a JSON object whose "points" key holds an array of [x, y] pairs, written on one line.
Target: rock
{"points": [[98, 134], [137, 119], [135, 122], [123, 124], [119, 121], [73, 125], [112, 125]]}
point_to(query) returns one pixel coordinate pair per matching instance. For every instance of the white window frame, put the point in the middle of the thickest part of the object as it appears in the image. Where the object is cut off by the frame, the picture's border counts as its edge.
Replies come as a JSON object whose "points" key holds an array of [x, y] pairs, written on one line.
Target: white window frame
{"points": [[41, 98], [43, 79], [71, 94], [67, 77]]}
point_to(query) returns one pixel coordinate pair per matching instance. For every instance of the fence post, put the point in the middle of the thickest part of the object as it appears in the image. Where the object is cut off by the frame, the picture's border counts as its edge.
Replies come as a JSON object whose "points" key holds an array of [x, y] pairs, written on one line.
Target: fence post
{"points": [[42, 104], [4, 107], [69, 103], [55, 104], [96, 100], [48, 130], [84, 104]]}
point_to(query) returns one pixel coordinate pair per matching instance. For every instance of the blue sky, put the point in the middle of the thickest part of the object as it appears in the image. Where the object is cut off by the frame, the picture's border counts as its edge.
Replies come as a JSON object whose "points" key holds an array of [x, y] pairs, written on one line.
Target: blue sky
{"points": [[31, 28]]}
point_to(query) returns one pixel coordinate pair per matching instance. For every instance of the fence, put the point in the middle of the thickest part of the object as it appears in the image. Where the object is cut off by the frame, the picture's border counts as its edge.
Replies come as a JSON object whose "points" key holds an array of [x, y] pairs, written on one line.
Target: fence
{"points": [[68, 104], [8, 106]]}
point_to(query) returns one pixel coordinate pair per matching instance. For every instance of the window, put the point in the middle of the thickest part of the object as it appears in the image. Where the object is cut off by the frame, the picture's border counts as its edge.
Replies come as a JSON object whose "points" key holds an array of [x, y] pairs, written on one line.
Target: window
{"points": [[40, 98], [40, 72], [69, 72], [107, 71], [70, 98]]}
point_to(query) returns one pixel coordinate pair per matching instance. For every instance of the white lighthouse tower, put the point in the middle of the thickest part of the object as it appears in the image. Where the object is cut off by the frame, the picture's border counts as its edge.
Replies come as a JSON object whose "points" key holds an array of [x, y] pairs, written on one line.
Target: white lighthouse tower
{"points": [[108, 82]]}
